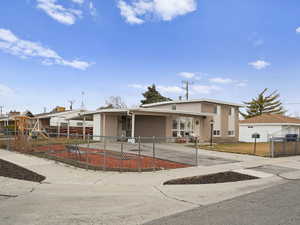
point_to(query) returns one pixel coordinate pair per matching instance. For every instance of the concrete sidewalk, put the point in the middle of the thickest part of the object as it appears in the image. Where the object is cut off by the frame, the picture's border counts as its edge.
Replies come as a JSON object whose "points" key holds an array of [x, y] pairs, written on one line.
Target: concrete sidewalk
{"points": [[76, 196]]}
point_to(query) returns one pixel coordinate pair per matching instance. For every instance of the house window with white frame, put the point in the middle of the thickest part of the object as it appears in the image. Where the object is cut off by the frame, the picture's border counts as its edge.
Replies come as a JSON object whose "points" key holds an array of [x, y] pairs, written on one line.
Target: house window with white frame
{"points": [[182, 127], [217, 132]]}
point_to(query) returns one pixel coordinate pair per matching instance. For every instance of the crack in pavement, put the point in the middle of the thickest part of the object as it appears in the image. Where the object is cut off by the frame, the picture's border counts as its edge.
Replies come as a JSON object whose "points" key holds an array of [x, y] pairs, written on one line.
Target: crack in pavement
{"points": [[176, 199]]}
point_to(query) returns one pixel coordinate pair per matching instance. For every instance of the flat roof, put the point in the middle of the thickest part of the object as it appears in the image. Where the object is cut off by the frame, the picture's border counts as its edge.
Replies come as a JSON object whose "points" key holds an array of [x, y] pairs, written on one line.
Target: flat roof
{"points": [[144, 111], [193, 101]]}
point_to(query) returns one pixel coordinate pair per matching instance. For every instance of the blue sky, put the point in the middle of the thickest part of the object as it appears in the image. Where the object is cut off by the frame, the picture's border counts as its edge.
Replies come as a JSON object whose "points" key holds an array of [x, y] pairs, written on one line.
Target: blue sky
{"points": [[52, 50]]}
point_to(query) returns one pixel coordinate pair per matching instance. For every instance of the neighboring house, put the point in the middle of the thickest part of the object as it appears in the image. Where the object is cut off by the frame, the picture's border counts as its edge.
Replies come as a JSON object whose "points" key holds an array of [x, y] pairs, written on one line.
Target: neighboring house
{"points": [[8, 120], [268, 125], [61, 122], [177, 119]]}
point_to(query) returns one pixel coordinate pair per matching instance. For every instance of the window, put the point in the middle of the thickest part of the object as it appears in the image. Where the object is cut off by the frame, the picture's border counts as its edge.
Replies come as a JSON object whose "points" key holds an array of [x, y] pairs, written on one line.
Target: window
{"points": [[182, 127], [174, 107], [79, 124], [230, 112], [216, 132], [231, 132], [175, 124], [250, 126]]}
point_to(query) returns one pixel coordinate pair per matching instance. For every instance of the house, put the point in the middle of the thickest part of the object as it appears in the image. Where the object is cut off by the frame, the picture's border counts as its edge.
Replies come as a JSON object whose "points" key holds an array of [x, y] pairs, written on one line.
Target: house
{"points": [[268, 125], [8, 121], [178, 119], [59, 122]]}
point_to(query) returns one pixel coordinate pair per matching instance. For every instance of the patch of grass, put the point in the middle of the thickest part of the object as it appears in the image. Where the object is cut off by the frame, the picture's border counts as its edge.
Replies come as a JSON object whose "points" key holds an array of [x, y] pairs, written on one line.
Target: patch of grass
{"points": [[262, 149]]}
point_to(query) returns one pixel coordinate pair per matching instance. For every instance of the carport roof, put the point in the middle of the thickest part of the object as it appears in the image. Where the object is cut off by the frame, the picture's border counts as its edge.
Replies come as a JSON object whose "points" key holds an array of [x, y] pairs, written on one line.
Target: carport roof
{"points": [[145, 111]]}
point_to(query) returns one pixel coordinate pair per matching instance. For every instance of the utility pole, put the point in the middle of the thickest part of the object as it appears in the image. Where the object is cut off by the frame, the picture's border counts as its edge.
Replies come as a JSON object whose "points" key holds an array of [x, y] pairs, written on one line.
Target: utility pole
{"points": [[186, 87], [1, 108], [71, 104]]}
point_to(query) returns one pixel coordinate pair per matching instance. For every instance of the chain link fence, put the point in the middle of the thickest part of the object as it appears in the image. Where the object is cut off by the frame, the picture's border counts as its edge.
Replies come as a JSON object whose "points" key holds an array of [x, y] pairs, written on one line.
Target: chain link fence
{"points": [[124, 154]]}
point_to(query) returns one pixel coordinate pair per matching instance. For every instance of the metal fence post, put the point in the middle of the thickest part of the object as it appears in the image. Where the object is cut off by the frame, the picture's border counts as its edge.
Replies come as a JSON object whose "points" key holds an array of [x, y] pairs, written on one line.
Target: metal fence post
{"points": [[104, 154], [153, 156], [86, 153], [272, 148], [196, 146], [121, 163], [140, 160]]}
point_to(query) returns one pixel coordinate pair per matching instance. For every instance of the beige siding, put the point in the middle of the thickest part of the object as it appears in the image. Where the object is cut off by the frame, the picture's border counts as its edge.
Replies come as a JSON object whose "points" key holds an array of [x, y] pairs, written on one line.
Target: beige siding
{"points": [[208, 107], [148, 126], [111, 125]]}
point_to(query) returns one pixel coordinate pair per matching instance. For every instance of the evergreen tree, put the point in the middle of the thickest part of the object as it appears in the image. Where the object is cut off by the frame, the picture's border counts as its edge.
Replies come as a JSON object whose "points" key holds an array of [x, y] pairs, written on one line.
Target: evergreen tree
{"points": [[153, 96], [263, 103]]}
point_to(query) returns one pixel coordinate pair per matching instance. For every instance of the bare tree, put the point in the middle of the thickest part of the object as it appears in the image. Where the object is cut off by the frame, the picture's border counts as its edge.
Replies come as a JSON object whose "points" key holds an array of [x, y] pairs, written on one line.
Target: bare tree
{"points": [[114, 102]]}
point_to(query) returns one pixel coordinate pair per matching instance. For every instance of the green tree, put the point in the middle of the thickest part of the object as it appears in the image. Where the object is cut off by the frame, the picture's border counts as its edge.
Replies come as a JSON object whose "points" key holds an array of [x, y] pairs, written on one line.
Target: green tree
{"points": [[264, 103], [153, 96]]}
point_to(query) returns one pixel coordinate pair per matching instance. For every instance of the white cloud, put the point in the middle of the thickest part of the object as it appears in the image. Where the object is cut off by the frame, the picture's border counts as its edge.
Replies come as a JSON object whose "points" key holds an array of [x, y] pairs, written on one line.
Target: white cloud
{"points": [[298, 30], [11, 44], [242, 84], [187, 75], [61, 14], [220, 80], [5, 91], [170, 89], [204, 89], [78, 1], [259, 64], [138, 11], [92, 8], [137, 86]]}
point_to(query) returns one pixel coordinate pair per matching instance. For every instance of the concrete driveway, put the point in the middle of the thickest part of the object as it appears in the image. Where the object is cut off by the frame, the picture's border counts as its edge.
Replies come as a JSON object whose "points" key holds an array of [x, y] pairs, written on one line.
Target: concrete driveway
{"points": [[173, 152], [75, 196]]}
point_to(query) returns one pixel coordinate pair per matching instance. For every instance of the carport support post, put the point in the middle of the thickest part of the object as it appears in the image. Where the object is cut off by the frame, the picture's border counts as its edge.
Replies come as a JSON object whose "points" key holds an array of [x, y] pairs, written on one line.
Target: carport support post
{"points": [[83, 127], [196, 146], [68, 131], [132, 125]]}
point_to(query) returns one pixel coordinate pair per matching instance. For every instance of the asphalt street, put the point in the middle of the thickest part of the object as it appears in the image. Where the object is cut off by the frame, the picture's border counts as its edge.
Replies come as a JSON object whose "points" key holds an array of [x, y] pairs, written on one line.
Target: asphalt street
{"points": [[278, 205]]}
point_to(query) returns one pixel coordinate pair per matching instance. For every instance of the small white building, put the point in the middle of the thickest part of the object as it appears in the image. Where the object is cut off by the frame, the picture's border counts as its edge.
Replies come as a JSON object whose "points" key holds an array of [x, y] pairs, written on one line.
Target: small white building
{"points": [[268, 125]]}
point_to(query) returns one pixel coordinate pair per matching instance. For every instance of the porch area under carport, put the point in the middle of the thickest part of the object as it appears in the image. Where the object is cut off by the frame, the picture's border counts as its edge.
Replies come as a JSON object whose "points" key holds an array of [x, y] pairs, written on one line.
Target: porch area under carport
{"points": [[139, 122]]}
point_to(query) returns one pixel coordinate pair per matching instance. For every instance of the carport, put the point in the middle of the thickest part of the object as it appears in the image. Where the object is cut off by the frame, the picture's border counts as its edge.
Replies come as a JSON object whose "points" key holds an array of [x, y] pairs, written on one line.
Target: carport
{"points": [[145, 122]]}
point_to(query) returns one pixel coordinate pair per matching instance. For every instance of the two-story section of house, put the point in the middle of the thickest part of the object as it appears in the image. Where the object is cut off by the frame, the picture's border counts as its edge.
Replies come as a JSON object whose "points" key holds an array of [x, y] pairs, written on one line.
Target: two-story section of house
{"points": [[221, 120], [202, 118]]}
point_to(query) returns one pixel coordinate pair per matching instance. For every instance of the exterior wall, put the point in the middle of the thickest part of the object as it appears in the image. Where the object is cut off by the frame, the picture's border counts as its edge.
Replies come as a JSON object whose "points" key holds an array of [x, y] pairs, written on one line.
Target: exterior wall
{"points": [[148, 126], [208, 107], [97, 125], [263, 130], [111, 125], [192, 107], [222, 121]]}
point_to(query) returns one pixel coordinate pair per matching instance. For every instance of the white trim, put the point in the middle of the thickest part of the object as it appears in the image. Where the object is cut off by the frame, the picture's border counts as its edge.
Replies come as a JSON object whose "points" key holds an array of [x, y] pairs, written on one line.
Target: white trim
{"points": [[143, 110], [193, 101]]}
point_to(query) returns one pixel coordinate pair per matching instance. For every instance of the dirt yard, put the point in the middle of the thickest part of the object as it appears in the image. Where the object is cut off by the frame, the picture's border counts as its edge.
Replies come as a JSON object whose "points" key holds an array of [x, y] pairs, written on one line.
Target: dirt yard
{"points": [[110, 160], [8, 169], [262, 149]]}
